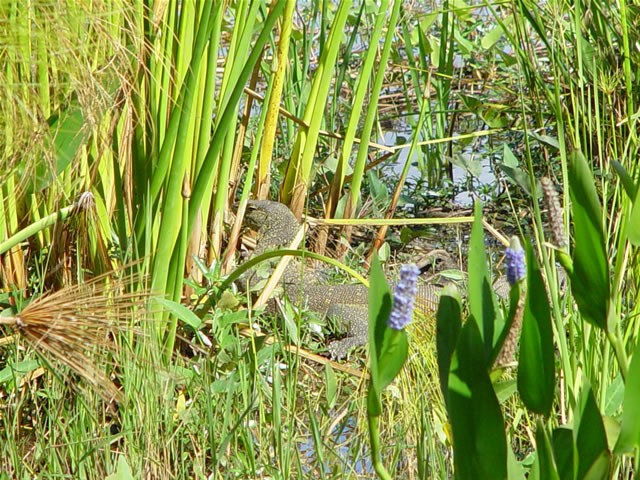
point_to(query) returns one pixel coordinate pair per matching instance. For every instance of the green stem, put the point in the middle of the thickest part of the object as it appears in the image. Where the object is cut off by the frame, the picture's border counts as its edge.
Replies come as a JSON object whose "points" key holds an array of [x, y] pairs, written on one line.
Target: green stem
{"points": [[35, 227], [281, 253], [621, 354], [374, 437]]}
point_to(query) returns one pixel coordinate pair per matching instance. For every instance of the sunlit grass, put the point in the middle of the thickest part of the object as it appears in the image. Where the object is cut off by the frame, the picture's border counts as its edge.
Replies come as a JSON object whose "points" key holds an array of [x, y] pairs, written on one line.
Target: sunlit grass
{"points": [[143, 105]]}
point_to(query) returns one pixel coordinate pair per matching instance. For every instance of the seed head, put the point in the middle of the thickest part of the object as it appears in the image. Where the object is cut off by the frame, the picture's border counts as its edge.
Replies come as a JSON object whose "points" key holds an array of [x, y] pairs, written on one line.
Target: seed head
{"points": [[554, 211]]}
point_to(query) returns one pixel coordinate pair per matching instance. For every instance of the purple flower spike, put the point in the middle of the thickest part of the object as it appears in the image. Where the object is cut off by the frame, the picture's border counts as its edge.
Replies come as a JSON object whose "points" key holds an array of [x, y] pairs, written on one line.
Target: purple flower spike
{"points": [[403, 297], [515, 261]]}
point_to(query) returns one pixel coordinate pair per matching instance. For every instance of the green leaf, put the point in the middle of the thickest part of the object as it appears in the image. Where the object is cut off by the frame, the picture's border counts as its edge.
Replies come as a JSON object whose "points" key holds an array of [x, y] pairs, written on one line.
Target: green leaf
{"points": [[514, 468], [564, 452], [480, 448], [625, 178], [379, 310], [614, 396], [630, 433], [18, 370], [181, 312], [68, 135], [495, 117], [394, 352], [544, 454], [634, 223], [123, 471], [482, 303], [508, 158], [505, 389], [590, 438], [449, 321], [590, 278], [461, 9], [291, 324], [536, 377], [332, 385], [491, 38], [545, 139]]}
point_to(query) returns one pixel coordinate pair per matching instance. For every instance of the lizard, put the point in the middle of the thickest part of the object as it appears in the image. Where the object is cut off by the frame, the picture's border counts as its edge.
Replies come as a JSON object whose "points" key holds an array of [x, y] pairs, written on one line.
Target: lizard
{"points": [[276, 227]]}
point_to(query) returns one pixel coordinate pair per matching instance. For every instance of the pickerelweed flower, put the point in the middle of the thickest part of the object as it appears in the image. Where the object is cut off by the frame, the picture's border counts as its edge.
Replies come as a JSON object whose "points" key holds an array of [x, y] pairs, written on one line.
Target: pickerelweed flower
{"points": [[515, 262], [403, 297]]}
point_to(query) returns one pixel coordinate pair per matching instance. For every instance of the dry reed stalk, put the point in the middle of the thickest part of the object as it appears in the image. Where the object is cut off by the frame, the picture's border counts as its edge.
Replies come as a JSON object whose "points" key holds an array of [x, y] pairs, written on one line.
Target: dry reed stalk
{"points": [[74, 324]]}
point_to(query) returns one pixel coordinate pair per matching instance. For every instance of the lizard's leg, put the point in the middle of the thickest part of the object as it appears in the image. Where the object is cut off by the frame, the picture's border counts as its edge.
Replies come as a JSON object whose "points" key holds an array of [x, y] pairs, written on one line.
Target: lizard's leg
{"points": [[356, 319]]}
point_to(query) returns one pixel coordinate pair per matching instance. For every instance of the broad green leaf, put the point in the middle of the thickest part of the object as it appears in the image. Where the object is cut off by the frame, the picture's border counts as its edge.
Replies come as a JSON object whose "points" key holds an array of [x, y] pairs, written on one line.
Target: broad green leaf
{"points": [[510, 166], [123, 471], [590, 438], [536, 377], [18, 370], [461, 9], [480, 448], [505, 389], [544, 454], [634, 223], [482, 303], [495, 117], [181, 312], [449, 321], [564, 452], [470, 163], [465, 46], [630, 433], [508, 158], [508, 60], [394, 352], [470, 102], [332, 385], [514, 468], [379, 310], [291, 324], [612, 428], [614, 396], [625, 179], [492, 37], [545, 139], [67, 129], [590, 278]]}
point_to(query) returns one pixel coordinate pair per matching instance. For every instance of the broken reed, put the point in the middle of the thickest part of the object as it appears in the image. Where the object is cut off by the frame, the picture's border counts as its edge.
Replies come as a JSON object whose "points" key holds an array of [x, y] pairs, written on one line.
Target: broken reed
{"points": [[77, 325]]}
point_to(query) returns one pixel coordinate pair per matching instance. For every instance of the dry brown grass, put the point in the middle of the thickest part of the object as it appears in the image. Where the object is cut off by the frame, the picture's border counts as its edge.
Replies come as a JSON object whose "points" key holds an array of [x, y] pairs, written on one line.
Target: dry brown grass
{"points": [[75, 325]]}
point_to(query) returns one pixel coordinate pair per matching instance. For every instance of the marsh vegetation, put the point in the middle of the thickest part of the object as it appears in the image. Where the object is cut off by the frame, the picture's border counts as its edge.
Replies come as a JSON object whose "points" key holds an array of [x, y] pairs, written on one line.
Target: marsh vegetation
{"points": [[130, 130]]}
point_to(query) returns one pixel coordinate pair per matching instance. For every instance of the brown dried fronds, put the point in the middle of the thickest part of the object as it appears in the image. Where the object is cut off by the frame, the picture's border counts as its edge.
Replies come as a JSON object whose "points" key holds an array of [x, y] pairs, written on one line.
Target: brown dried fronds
{"points": [[78, 240], [76, 323]]}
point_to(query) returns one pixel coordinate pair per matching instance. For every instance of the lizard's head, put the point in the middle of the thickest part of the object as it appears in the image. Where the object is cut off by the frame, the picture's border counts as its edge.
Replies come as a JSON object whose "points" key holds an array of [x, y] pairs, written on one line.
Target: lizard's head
{"points": [[266, 214]]}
